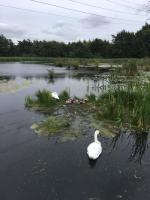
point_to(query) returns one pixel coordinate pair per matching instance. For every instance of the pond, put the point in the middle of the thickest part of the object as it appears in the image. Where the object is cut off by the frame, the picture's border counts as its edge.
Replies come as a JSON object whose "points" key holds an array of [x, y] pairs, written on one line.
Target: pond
{"points": [[43, 168]]}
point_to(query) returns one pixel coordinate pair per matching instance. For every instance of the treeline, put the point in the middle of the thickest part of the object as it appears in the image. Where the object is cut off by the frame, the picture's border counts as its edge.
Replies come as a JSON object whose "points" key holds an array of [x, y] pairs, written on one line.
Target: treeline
{"points": [[124, 45]]}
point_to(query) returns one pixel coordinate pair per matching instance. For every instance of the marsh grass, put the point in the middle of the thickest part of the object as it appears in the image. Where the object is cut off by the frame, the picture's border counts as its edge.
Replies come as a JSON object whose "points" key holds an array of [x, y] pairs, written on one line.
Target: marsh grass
{"points": [[127, 104], [43, 98], [52, 125], [130, 68], [64, 95], [76, 63], [51, 74], [91, 98]]}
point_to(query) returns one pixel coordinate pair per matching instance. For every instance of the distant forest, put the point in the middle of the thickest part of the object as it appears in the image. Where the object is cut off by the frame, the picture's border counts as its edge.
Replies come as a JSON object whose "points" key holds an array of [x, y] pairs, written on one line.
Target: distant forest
{"points": [[123, 45]]}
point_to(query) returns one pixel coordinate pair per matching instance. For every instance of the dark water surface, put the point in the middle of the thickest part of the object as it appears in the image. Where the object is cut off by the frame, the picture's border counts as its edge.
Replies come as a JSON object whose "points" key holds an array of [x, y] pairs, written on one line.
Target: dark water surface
{"points": [[34, 167]]}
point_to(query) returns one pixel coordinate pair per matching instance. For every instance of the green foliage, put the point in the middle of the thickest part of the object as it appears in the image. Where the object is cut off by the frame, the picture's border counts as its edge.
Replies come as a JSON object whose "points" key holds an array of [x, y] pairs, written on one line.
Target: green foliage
{"points": [[127, 104], [50, 74], [29, 102], [124, 45], [43, 98], [52, 125], [91, 98], [61, 62], [70, 62], [7, 47], [64, 95], [130, 68]]}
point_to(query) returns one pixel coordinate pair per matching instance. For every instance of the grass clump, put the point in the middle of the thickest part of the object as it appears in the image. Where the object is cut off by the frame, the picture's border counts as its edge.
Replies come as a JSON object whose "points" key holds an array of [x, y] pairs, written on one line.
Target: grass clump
{"points": [[50, 74], [64, 95], [60, 62], [74, 63], [51, 125], [43, 98], [68, 62], [130, 68], [128, 104], [91, 98]]}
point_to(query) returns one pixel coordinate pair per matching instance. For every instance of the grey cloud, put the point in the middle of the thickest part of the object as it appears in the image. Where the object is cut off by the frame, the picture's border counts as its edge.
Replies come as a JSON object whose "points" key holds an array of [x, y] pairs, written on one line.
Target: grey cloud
{"points": [[59, 24], [142, 8], [66, 35], [12, 30], [63, 31], [94, 21]]}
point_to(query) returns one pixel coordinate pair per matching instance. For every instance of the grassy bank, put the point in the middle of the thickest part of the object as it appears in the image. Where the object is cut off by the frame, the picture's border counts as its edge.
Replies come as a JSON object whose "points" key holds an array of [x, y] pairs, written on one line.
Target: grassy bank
{"points": [[27, 59], [78, 62]]}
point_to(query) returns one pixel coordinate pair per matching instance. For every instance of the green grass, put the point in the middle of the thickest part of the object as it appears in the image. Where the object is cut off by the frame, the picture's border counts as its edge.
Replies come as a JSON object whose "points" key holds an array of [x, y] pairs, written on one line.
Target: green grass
{"points": [[64, 95], [143, 63], [43, 98], [130, 68], [91, 98], [127, 105], [51, 74]]}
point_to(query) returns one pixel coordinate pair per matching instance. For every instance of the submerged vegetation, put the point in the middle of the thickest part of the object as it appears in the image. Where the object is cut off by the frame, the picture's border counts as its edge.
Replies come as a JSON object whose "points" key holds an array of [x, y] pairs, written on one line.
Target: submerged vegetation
{"points": [[12, 86], [51, 125]]}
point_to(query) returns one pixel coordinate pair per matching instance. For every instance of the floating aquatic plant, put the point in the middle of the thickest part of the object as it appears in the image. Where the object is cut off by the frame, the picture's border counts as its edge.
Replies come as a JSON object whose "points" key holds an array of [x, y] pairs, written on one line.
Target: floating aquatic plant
{"points": [[51, 125], [12, 86]]}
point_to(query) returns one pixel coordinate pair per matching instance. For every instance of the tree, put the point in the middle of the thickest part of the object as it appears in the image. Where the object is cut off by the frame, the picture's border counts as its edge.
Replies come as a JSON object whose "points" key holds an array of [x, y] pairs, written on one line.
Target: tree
{"points": [[124, 45], [25, 48], [143, 41], [7, 47], [100, 48]]}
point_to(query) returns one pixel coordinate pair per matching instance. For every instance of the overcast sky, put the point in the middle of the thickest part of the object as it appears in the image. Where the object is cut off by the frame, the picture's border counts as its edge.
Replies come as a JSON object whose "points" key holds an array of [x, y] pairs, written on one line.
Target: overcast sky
{"points": [[52, 23]]}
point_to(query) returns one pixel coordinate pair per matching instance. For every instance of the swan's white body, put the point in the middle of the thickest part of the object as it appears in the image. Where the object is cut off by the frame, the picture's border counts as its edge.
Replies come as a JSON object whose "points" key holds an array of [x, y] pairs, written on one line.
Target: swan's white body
{"points": [[94, 149], [55, 95]]}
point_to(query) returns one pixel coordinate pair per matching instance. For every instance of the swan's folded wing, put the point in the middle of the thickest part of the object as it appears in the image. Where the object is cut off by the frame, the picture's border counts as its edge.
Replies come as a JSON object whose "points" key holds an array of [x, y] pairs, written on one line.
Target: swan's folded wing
{"points": [[94, 150]]}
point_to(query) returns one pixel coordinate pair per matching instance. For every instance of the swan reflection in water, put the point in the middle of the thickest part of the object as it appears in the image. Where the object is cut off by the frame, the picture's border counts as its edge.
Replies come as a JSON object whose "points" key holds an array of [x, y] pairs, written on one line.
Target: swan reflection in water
{"points": [[92, 163]]}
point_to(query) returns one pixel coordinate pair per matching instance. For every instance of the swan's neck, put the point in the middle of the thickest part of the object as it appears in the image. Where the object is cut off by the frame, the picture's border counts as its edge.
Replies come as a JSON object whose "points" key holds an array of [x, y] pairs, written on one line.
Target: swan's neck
{"points": [[95, 136]]}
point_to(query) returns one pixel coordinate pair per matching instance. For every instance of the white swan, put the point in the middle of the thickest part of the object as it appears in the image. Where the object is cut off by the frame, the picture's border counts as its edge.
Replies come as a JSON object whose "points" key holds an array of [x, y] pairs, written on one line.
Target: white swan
{"points": [[94, 149], [55, 95]]}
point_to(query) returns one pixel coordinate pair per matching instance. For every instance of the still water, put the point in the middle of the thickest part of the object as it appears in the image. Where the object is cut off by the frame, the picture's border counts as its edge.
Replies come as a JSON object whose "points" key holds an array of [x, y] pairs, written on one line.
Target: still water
{"points": [[41, 168]]}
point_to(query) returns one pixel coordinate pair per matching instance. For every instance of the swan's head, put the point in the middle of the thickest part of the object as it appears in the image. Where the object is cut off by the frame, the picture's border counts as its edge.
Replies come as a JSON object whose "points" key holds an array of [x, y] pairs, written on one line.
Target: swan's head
{"points": [[97, 132]]}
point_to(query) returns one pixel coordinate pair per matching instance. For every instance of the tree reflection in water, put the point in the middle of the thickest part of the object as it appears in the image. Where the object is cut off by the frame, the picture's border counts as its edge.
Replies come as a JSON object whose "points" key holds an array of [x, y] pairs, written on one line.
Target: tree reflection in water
{"points": [[138, 144]]}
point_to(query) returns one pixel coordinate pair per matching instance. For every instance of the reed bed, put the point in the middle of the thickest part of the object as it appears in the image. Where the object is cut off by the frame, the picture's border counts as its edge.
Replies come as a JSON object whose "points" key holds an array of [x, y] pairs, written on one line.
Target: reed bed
{"points": [[43, 98], [127, 105]]}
